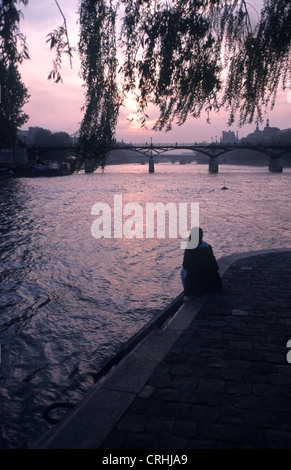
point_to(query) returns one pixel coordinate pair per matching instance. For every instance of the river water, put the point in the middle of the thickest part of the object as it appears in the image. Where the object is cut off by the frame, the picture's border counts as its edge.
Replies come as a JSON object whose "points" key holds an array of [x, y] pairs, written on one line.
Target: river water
{"points": [[69, 301]]}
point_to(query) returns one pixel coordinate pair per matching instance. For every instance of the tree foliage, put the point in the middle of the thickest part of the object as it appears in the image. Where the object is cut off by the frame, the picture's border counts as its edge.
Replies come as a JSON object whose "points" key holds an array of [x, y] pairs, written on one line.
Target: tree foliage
{"points": [[51, 140], [97, 49], [14, 94], [188, 55]]}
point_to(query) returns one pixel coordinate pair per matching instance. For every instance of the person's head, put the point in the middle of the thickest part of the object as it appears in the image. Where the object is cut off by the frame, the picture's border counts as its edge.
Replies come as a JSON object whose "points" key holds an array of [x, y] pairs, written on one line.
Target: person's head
{"points": [[196, 234]]}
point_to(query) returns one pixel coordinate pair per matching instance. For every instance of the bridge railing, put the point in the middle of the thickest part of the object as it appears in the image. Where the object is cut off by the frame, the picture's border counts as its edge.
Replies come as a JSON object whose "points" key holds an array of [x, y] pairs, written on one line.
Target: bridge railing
{"points": [[190, 145], [166, 144]]}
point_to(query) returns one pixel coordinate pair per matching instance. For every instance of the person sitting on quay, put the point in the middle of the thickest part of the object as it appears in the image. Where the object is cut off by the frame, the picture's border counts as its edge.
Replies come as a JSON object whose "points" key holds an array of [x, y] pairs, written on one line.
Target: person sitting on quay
{"points": [[199, 272]]}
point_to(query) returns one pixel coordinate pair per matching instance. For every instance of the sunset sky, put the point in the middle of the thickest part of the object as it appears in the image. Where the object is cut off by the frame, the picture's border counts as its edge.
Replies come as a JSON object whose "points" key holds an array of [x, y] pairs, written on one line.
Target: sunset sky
{"points": [[58, 106]]}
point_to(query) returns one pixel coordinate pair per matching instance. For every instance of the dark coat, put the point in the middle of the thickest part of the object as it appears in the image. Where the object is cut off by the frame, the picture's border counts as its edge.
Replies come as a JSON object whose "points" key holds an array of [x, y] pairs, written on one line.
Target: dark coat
{"points": [[202, 271]]}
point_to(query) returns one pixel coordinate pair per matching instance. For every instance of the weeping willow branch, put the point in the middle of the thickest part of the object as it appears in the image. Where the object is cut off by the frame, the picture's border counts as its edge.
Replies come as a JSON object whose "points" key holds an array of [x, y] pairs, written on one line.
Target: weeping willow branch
{"points": [[97, 49], [261, 63], [59, 39], [188, 45]]}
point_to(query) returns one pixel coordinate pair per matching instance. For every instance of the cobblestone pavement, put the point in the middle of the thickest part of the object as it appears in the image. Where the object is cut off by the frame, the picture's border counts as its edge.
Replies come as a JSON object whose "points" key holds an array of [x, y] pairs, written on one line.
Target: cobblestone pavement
{"points": [[226, 383]]}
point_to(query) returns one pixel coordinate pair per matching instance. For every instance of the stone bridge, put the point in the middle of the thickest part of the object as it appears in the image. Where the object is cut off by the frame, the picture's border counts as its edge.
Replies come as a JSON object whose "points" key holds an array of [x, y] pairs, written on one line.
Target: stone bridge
{"points": [[275, 152], [213, 151]]}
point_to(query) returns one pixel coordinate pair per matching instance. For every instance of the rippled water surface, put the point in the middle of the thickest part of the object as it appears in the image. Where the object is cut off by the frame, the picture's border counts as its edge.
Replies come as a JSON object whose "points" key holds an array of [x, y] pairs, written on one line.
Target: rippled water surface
{"points": [[70, 301]]}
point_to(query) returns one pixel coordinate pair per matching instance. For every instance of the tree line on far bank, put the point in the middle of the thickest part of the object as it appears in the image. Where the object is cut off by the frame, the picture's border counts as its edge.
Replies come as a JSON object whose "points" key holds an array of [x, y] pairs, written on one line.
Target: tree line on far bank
{"points": [[44, 138]]}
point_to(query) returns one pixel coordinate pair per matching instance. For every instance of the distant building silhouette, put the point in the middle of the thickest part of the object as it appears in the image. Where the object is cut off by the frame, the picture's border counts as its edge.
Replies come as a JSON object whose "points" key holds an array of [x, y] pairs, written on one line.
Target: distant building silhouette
{"points": [[28, 135], [228, 137], [269, 135]]}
